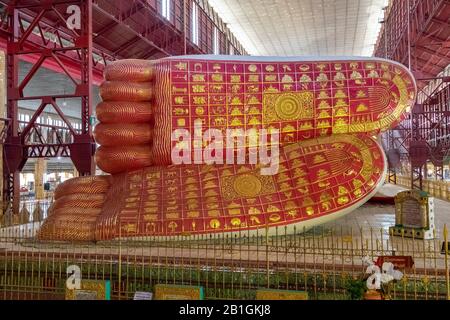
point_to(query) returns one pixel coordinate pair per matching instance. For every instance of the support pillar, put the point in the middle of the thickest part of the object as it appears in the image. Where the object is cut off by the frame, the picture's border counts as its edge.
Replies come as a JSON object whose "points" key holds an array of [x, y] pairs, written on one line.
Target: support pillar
{"points": [[23, 42], [439, 172], [417, 178], [13, 158], [2, 125], [75, 172], [40, 168], [392, 176]]}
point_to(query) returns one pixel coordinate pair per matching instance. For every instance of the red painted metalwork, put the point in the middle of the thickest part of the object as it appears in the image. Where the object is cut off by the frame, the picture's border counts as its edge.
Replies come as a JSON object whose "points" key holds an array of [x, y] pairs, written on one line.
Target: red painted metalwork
{"points": [[137, 29], [426, 37], [38, 32], [22, 41], [4, 131], [126, 29], [50, 35], [419, 37], [49, 141], [424, 137]]}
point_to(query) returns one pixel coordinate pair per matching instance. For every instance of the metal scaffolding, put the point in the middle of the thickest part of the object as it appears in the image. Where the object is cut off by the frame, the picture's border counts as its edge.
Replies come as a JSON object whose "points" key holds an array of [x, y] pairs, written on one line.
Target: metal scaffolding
{"points": [[39, 32], [416, 33], [23, 41]]}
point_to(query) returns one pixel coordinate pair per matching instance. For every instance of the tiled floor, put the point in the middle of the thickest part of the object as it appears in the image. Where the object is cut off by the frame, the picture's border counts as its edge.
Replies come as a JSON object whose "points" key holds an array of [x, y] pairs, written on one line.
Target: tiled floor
{"points": [[377, 216]]}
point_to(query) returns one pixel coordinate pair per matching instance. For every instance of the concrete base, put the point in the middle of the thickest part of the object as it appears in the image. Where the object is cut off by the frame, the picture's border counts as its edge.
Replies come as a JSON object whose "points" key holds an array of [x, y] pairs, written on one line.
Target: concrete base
{"points": [[415, 233]]}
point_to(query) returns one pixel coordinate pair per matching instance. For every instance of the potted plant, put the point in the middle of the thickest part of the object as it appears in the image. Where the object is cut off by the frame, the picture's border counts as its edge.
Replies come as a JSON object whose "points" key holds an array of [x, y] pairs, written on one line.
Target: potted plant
{"points": [[373, 295], [371, 292], [379, 279], [356, 288]]}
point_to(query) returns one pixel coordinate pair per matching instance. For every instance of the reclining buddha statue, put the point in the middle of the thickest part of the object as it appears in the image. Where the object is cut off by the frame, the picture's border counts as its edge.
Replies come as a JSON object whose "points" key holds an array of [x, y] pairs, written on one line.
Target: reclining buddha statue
{"points": [[168, 128]]}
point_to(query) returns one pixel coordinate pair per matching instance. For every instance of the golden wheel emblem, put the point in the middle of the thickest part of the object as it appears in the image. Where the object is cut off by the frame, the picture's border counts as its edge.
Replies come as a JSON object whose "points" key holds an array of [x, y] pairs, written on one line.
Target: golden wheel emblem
{"points": [[288, 107], [247, 185]]}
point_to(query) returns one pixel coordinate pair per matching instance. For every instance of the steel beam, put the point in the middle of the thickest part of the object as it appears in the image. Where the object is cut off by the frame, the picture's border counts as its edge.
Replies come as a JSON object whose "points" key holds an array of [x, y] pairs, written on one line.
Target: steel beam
{"points": [[136, 33], [420, 135], [127, 45], [417, 178], [435, 53], [105, 29], [18, 145], [392, 176]]}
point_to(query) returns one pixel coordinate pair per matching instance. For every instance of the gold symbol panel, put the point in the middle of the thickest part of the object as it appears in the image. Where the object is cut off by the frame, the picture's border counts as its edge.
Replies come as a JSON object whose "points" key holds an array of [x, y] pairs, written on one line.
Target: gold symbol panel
{"points": [[288, 106], [247, 185]]}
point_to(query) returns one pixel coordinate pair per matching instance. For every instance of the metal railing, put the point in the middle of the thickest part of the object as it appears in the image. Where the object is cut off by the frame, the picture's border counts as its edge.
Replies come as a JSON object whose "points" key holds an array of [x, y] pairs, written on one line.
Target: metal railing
{"points": [[31, 211], [436, 188], [320, 261]]}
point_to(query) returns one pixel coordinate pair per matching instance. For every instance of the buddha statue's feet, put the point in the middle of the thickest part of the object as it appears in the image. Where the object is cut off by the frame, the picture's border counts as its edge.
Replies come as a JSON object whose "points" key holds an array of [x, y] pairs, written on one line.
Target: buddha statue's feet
{"points": [[145, 102], [325, 111], [78, 205], [318, 180]]}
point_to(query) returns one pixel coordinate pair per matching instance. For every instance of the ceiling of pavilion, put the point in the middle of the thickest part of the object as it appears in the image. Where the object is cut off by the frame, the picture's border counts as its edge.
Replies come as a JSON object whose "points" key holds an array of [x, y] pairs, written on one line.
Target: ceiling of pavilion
{"points": [[304, 27]]}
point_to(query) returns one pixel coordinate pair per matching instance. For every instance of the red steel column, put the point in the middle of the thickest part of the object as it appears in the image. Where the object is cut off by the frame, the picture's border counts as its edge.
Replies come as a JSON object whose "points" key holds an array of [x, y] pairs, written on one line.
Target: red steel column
{"points": [[83, 149], [13, 156], [18, 146]]}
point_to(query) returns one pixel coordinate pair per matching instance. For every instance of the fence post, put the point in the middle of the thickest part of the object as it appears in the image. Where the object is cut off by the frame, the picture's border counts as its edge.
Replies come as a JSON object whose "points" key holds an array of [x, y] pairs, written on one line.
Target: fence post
{"points": [[120, 260], [267, 258], [446, 261]]}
